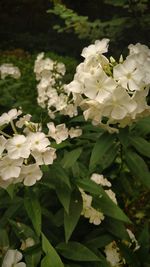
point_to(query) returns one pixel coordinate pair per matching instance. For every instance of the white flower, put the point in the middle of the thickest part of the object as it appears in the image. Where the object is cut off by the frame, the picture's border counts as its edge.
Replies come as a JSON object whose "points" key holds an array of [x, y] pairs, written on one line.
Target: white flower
{"points": [[133, 240], [75, 86], [112, 195], [3, 141], [12, 259], [75, 132], [9, 69], [139, 48], [99, 86], [59, 133], [112, 254], [21, 122], [45, 157], [38, 141], [99, 47], [120, 105], [12, 114], [30, 174], [60, 68], [61, 102], [27, 243], [128, 75], [10, 168], [18, 146], [88, 211], [99, 179]]}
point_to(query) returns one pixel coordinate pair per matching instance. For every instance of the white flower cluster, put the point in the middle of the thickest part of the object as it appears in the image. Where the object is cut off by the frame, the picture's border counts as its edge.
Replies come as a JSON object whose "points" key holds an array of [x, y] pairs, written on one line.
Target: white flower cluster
{"points": [[60, 132], [114, 92], [95, 216], [13, 258], [113, 255], [22, 154], [51, 90], [8, 69]]}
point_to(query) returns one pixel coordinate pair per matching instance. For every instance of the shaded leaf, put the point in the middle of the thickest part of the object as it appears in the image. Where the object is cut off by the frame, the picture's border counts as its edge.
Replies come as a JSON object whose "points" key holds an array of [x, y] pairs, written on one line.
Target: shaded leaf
{"points": [[76, 251], [101, 149], [138, 167], [71, 218], [71, 157], [141, 145], [33, 210]]}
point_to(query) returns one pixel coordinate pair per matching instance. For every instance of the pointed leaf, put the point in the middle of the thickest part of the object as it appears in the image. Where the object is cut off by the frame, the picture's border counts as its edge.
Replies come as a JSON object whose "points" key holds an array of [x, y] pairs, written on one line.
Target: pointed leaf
{"points": [[77, 252], [64, 194], [59, 174], [141, 145], [138, 167], [52, 256], [71, 219], [101, 149], [71, 157], [33, 210]]}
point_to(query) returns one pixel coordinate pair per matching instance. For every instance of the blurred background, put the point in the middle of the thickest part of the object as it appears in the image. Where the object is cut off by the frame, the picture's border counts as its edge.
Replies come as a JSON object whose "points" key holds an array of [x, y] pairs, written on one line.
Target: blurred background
{"points": [[44, 25]]}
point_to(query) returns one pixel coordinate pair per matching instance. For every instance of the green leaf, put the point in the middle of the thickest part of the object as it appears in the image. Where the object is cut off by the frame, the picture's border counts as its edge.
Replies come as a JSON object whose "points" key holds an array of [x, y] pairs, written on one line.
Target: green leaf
{"points": [[117, 229], [77, 252], [22, 231], [71, 219], [52, 258], [71, 157], [138, 167], [59, 174], [144, 242], [141, 145], [33, 210], [102, 200], [11, 211], [33, 259], [101, 149], [64, 194], [100, 241], [4, 240], [143, 126], [47, 261]]}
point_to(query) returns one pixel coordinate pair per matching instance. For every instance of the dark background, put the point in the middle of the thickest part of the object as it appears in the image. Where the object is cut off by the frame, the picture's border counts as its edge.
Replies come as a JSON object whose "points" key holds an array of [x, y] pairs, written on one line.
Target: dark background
{"points": [[25, 24]]}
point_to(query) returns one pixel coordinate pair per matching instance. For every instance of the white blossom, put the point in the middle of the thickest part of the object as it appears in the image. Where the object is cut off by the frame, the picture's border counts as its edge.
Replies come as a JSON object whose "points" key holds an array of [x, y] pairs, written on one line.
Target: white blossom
{"points": [[30, 174], [18, 146], [27, 243], [99, 179], [59, 133], [99, 47], [112, 254], [45, 157], [12, 114], [8, 69], [13, 258], [74, 132], [10, 168], [38, 141]]}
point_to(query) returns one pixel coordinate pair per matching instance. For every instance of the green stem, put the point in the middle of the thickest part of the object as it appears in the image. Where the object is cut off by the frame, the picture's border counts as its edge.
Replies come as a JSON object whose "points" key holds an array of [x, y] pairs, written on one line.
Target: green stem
{"points": [[5, 134], [13, 127]]}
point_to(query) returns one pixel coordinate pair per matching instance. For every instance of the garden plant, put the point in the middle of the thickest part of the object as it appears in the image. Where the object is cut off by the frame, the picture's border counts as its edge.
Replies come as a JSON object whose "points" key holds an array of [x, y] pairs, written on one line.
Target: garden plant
{"points": [[74, 166]]}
